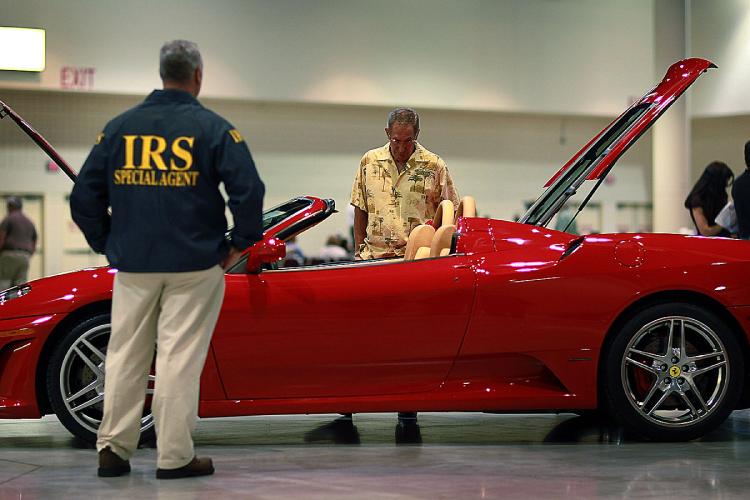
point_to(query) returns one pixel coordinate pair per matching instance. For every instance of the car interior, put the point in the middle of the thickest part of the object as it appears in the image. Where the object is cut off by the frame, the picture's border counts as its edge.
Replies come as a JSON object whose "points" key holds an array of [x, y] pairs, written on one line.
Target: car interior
{"points": [[429, 240]]}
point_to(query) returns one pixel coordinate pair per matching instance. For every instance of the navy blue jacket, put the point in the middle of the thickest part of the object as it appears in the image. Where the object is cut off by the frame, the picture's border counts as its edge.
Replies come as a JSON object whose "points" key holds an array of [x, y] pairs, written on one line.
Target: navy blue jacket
{"points": [[741, 197], [159, 166]]}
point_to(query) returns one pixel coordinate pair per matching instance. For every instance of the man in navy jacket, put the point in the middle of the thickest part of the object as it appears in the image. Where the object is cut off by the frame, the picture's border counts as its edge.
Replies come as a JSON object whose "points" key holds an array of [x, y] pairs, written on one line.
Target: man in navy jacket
{"points": [[741, 198], [158, 167]]}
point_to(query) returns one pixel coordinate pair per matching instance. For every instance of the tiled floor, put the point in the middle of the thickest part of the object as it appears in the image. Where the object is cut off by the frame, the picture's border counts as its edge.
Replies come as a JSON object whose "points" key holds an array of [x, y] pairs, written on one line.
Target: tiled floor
{"points": [[463, 455]]}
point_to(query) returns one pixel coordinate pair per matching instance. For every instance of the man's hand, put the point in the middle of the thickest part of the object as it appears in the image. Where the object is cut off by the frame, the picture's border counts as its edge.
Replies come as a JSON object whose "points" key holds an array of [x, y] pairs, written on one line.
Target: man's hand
{"points": [[232, 258], [360, 229]]}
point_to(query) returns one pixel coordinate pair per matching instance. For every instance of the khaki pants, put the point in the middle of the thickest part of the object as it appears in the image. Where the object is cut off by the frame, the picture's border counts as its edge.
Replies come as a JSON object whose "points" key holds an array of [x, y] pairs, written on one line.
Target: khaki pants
{"points": [[176, 312], [14, 266]]}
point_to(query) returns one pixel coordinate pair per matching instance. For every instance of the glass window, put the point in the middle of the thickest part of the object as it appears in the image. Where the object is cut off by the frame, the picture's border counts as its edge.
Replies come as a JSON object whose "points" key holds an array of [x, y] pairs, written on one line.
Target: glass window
{"points": [[565, 187], [274, 215]]}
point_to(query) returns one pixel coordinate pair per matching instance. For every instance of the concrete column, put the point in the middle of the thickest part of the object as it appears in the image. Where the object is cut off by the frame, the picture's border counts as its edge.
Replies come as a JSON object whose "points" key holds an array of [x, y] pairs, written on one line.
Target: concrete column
{"points": [[671, 137]]}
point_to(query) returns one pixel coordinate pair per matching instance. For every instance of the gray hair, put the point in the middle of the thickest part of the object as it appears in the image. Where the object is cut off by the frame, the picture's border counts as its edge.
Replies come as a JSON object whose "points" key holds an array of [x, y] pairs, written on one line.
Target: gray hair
{"points": [[178, 61], [14, 203], [406, 116]]}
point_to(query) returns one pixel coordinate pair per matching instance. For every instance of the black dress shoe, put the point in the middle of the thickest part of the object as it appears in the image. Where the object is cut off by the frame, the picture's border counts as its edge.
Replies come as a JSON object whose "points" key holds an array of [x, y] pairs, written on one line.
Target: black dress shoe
{"points": [[196, 467], [407, 432], [340, 431], [111, 465]]}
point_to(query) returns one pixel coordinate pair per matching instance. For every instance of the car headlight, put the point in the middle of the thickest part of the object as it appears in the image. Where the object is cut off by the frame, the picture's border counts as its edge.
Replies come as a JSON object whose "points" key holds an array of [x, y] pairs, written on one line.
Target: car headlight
{"points": [[14, 293]]}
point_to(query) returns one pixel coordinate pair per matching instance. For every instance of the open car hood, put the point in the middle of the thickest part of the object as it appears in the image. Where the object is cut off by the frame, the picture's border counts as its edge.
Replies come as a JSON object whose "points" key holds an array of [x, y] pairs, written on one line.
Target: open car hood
{"points": [[596, 159], [35, 136]]}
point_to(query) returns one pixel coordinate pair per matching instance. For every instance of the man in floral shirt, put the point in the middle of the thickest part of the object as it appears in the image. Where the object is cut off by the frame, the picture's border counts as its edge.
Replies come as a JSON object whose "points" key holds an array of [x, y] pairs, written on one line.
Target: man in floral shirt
{"points": [[397, 187]]}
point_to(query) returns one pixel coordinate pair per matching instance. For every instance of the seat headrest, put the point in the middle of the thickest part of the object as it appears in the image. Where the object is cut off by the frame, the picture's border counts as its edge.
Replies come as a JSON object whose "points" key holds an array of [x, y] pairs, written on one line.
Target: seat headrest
{"points": [[443, 214], [422, 253], [420, 236], [442, 241], [467, 207]]}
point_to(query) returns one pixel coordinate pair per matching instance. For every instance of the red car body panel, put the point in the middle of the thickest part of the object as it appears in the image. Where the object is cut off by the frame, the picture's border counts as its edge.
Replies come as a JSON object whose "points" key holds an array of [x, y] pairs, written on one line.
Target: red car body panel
{"points": [[21, 342], [514, 319], [341, 330]]}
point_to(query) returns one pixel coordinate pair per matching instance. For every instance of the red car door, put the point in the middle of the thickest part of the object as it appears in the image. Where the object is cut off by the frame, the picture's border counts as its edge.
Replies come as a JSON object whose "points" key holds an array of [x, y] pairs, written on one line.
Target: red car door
{"points": [[343, 330]]}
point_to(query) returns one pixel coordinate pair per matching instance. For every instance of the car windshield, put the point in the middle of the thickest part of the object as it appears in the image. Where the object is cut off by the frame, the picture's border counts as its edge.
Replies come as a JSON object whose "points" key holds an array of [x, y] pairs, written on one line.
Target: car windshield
{"points": [[284, 212], [545, 207], [279, 213], [274, 215]]}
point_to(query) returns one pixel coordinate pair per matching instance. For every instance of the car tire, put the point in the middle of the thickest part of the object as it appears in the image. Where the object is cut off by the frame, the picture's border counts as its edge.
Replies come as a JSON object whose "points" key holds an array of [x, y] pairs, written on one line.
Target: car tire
{"points": [[75, 380], [667, 390]]}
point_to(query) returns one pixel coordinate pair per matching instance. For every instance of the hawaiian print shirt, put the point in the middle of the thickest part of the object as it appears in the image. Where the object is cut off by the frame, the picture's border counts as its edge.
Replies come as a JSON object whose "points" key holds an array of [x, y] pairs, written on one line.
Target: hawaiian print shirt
{"points": [[397, 203]]}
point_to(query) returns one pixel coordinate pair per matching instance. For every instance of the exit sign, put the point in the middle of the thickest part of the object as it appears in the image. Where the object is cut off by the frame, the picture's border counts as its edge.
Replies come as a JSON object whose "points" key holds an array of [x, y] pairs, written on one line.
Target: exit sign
{"points": [[77, 78]]}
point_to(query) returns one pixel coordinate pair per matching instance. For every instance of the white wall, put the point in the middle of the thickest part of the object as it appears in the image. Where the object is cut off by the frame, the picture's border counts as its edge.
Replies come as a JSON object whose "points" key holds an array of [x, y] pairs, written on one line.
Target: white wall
{"points": [[721, 33], [551, 56]]}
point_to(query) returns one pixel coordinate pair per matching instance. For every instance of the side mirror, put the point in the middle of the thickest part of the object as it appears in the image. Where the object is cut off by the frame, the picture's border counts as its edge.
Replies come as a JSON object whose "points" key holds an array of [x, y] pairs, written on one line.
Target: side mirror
{"points": [[265, 252]]}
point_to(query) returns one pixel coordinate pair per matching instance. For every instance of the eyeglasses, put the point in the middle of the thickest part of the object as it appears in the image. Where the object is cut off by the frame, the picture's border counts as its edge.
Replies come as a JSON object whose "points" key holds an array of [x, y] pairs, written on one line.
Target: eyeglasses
{"points": [[407, 142]]}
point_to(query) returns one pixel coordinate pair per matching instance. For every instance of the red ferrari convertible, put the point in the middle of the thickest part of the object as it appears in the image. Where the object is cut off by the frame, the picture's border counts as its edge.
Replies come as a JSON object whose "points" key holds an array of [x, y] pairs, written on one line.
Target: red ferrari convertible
{"points": [[510, 317]]}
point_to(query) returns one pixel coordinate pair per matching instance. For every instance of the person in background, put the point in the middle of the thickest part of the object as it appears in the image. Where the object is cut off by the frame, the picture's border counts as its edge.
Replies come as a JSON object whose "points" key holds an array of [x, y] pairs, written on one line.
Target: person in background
{"points": [[334, 249], [741, 197], [708, 197], [17, 244], [294, 255], [159, 166]]}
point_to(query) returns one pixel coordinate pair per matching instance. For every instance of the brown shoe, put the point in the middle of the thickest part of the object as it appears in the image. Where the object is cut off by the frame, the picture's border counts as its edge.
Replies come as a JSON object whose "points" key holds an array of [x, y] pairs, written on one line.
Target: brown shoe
{"points": [[196, 467], [111, 465]]}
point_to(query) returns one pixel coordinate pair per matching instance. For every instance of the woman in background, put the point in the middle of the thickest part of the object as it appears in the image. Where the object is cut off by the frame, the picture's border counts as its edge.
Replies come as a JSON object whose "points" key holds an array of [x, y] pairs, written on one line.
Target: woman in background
{"points": [[708, 197]]}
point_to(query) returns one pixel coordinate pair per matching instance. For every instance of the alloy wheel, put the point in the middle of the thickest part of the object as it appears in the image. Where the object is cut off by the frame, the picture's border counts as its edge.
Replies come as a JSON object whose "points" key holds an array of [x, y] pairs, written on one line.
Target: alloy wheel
{"points": [[675, 371], [81, 379]]}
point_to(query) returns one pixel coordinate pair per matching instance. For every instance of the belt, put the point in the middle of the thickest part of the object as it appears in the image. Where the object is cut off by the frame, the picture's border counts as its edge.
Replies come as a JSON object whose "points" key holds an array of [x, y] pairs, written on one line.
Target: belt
{"points": [[6, 249]]}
